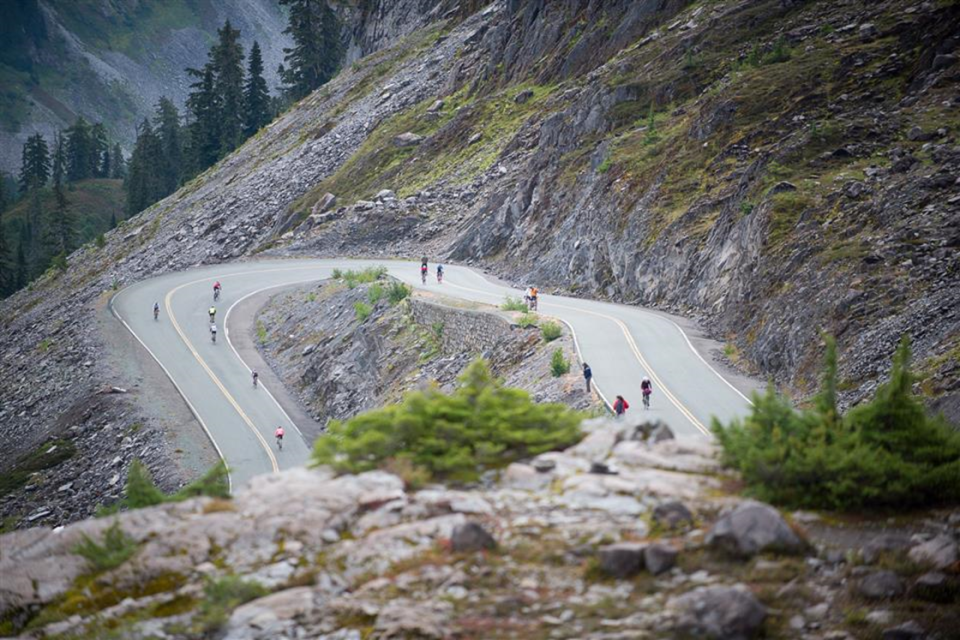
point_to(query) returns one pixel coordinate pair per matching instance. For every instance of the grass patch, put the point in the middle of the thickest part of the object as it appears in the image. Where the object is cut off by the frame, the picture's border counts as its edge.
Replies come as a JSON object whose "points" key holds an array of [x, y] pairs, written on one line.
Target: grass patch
{"points": [[140, 490], [364, 276], [46, 456], [527, 320], [455, 437], [117, 547], [785, 212], [511, 303], [550, 331], [397, 292], [222, 596], [375, 293], [261, 332], [362, 310]]}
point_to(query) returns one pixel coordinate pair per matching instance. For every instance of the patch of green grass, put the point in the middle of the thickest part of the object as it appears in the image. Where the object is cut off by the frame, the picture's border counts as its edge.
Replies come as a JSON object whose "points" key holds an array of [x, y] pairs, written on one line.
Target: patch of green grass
{"points": [[261, 332], [46, 456], [375, 293], [785, 212], [223, 595], [115, 549], [364, 276], [527, 320], [511, 303], [397, 292], [550, 331], [362, 310]]}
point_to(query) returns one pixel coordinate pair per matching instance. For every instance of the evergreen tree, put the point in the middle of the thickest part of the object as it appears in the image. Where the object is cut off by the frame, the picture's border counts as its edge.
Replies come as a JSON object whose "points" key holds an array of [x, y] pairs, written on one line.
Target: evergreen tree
{"points": [[60, 229], [143, 183], [100, 148], [317, 46], [227, 59], [7, 274], [167, 123], [35, 164], [256, 97], [81, 151], [118, 168], [204, 106]]}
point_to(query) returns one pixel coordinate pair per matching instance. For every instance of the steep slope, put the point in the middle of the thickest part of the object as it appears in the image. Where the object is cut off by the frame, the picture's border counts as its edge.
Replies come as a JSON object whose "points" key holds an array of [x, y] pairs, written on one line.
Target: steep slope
{"points": [[774, 168], [111, 61]]}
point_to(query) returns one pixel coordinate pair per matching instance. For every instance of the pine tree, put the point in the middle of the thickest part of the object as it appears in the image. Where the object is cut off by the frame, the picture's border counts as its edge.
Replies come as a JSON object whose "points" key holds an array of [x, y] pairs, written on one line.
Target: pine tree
{"points": [[35, 164], [106, 167], [204, 107], [143, 183], [227, 59], [7, 274], [317, 46], [60, 234], [99, 147], [167, 123], [118, 168], [80, 151], [256, 97]]}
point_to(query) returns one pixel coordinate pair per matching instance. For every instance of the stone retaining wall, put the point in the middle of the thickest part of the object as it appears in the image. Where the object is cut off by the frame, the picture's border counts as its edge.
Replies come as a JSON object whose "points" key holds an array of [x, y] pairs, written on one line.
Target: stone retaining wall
{"points": [[465, 329]]}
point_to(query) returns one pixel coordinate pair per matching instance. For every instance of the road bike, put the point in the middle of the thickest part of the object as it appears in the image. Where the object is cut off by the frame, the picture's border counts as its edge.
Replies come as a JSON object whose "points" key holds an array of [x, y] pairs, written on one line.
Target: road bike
{"points": [[216, 294], [213, 336], [255, 377], [646, 401], [440, 277], [156, 314], [423, 276], [280, 443]]}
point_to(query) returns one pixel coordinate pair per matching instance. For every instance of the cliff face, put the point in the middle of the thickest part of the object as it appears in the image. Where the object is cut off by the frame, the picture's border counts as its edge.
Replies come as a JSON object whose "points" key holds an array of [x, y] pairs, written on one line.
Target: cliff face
{"points": [[111, 61]]}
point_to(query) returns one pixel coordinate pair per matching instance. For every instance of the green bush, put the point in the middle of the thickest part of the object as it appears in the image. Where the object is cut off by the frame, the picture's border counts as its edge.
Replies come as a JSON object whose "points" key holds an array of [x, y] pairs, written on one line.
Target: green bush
{"points": [[116, 548], [511, 303], [364, 276], [362, 309], [141, 491], [375, 293], [215, 483], [223, 595], [336, 274], [527, 320], [883, 453], [550, 331], [101, 241], [59, 261], [454, 437], [397, 292], [558, 364]]}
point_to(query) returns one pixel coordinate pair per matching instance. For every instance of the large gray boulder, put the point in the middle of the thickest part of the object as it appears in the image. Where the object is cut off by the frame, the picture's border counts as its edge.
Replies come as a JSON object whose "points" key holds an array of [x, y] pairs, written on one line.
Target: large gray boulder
{"points": [[938, 553], [659, 557], [471, 536], [753, 527], [879, 585], [622, 560], [730, 613], [672, 515], [407, 139]]}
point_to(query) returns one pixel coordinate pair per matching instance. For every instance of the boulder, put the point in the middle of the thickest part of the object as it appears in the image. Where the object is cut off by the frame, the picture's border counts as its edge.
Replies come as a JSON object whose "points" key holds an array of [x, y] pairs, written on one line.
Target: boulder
{"points": [[436, 106], [868, 31], [944, 60], [324, 204], [622, 560], [782, 187], [386, 194], [475, 138], [523, 96], [408, 619], [878, 585], [753, 527], [935, 587], [909, 630], [887, 542], [938, 553], [659, 557], [471, 536], [730, 613], [407, 139], [672, 515]]}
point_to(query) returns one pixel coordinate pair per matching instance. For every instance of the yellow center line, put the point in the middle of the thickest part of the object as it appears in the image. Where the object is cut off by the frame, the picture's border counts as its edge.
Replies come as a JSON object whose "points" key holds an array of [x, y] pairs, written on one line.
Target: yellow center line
{"points": [[216, 380], [636, 351]]}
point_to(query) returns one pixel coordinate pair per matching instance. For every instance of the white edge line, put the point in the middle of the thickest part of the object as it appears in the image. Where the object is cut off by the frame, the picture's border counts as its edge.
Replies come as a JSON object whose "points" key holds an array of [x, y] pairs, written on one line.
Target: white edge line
{"points": [[703, 360], [193, 410], [226, 321], [576, 346]]}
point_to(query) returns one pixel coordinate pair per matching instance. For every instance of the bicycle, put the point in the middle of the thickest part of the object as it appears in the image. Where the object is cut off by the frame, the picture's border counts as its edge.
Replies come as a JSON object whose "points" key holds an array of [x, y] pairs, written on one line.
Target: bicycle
{"points": [[216, 294], [646, 401], [440, 277], [255, 377], [280, 443], [423, 276], [213, 335], [156, 314]]}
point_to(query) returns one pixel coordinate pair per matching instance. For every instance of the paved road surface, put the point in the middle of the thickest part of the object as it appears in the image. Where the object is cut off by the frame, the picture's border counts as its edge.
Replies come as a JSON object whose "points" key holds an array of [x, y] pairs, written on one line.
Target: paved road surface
{"points": [[621, 343]]}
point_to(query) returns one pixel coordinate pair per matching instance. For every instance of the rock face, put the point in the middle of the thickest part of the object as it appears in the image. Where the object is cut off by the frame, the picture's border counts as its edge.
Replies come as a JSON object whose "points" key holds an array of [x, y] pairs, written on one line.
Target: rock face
{"points": [[938, 553], [879, 585], [751, 528], [471, 536], [728, 613], [622, 560]]}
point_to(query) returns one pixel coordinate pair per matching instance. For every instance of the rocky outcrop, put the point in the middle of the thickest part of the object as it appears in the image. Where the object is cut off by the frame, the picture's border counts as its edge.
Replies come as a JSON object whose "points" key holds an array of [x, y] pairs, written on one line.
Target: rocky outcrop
{"points": [[751, 528]]}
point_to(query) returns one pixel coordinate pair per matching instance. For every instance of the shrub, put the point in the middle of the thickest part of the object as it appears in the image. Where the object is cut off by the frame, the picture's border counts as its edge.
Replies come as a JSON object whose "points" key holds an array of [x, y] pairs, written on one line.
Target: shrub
{"points": [[883, 453], [481, 425], [59, 261], [375, 293], [510, 303], [362, 309], [223, 595], [101, 241], [364, 276], [261, 332], [336, 274], [214, 483], [141, 491], [397, 292], [116, 548], [550, 331], [527, 320], [558, 364]]}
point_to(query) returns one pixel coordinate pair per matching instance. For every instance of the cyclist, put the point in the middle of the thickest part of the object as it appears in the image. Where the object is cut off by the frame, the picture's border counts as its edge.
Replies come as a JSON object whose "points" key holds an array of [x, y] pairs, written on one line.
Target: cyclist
{"points": [[439, 273], [423, 273], [213, 332], [156, 310], [587, 375], [256, 376], [534, 297], [620, 406], [279, 434], [216, 290], [647, 388], [213, 314]]}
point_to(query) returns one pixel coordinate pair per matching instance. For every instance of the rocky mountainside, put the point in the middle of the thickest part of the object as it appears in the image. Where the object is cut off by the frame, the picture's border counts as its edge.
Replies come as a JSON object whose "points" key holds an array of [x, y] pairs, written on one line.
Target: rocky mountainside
{"points": [[628, 534], [774, 168], [111, 61]]}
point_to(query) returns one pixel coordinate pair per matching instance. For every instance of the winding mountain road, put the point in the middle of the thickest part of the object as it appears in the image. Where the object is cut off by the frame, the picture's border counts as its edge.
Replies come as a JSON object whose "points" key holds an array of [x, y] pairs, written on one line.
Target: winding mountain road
{"points": [[621, 343]]}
